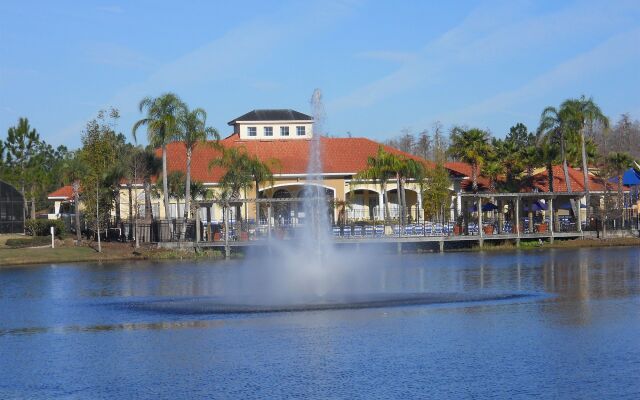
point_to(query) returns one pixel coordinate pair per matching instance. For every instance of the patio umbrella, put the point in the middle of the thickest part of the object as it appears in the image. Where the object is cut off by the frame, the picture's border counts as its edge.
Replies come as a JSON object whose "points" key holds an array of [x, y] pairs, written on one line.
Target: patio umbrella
{"points": [[485, 207], [630, 178], [567, 206], [537, 206]]}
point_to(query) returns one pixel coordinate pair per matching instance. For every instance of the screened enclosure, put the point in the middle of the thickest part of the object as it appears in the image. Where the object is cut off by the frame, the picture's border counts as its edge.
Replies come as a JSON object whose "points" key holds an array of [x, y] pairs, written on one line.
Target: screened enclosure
{"points": [[11, 209]]}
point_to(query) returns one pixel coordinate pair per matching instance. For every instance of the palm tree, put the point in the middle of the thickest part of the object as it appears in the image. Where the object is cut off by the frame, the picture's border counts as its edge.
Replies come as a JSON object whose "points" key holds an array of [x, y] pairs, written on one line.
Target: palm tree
{"points": [[492, 169], [471, 146], [162, 122], [193, 130], [261, 172], [175, 186], [408, 169], [151, 166], [555, 127], [583, 112], [379, 169], [618, 163], [237, 176]]}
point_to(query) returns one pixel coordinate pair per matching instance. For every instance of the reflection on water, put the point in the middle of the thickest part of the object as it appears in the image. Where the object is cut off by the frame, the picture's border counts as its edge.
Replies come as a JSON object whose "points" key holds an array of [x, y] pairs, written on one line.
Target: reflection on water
{"points": [[62, 336]]}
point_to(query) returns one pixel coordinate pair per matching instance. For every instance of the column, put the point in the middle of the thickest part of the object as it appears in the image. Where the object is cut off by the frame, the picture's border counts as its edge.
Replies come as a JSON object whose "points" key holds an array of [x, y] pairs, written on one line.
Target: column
{"points": [[419, 214], [480, 228], [517, 225], [551, 218], [381, 206], [579, 216], [197, 238]]}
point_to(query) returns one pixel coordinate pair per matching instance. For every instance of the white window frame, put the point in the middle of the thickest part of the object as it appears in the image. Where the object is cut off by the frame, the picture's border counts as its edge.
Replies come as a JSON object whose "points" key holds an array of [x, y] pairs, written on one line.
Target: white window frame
{"points": [[268, 129], [301, 128], [252, 131], [284, 131]]}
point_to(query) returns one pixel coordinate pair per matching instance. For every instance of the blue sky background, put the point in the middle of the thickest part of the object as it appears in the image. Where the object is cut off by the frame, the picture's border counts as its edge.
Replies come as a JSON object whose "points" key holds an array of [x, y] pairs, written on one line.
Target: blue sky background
{"points": [[382, 65]]}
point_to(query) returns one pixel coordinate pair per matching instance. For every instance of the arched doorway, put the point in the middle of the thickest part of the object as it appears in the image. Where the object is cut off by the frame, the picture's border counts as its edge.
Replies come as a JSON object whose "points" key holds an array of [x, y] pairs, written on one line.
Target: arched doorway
{"points": [[363, 204], [282, 211]]}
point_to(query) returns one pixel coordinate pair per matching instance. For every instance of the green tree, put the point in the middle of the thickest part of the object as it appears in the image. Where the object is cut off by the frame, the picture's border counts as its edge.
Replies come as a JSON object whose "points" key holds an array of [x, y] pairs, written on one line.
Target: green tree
{"points": [[555, 127], [471, 146], [617, 164], [162, 122], [379, 169], [20, 150], [175, 186], [237, 176], [583, 113], [73, 170], [193, 131], [261, 172], [99, 153]]}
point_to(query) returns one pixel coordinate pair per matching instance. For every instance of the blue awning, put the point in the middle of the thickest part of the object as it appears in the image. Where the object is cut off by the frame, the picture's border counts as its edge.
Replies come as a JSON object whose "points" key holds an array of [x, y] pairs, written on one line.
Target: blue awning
{"points": [[537, 206], [485, 207], [631, 177], [567, 206]]}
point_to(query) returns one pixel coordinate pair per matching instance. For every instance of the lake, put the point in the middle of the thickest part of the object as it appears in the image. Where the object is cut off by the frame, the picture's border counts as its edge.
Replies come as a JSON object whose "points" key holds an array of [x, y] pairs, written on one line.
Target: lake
{"points": [[571, 331]]}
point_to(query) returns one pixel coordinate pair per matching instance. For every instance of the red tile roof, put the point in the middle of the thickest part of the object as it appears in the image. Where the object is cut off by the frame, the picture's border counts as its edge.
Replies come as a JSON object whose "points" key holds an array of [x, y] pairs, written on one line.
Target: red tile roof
{"points": [[64, 193], [540, 181], [339, 155], [464, 170]]}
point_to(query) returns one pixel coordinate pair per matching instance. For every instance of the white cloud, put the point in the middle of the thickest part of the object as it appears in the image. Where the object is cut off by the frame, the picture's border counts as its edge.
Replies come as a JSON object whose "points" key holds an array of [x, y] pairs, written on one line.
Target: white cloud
{"points": [[489, 34], [224, 56]]}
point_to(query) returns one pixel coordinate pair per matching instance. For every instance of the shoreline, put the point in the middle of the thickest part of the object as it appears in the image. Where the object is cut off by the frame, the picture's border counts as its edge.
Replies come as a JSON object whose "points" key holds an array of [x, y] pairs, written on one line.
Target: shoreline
{"points": [[112, 252]]}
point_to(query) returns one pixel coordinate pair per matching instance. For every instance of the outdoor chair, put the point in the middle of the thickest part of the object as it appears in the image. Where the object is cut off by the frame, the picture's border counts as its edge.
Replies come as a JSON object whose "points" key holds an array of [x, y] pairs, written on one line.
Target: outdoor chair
{"points": [[346, 232], [418, 230], [428, 229], [379, 230], [408, 230], [438, 229], [336, 231], [357, 231], [368, 231], [396, 230]]}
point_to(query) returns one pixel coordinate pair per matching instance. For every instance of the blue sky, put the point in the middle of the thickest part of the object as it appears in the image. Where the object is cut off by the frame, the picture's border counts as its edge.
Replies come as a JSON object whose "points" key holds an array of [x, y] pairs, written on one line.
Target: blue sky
{"points": [[382, 65]]}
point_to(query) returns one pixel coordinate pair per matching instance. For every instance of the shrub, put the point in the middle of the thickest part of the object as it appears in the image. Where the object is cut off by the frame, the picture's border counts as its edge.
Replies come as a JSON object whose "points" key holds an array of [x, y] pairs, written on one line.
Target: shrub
{"points": [[41, 227], [28, 242]]}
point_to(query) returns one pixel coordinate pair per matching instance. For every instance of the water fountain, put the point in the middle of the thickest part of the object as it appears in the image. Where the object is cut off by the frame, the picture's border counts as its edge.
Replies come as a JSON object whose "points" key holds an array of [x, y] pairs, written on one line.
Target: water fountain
{"points": [[309, 272]]}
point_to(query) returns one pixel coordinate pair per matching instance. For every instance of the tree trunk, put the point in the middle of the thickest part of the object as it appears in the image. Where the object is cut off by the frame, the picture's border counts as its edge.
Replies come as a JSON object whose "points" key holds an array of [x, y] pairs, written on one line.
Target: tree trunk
{"points": [[25, 206], [405, 212], [474, 177], [130, 214], [398, 198], [148, 212], [257, 204], [585, 166], [165, 188], [116, 199], [385, 200], [187, 197], [565, 169], [33, 206], [550, 177], [76, 201]]}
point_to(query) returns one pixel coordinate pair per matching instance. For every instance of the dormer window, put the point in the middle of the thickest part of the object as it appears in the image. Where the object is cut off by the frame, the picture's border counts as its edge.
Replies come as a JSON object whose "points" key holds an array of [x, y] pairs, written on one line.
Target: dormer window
{"points": [[252, 131], [300, 131], [284, 131], [268, 131]]}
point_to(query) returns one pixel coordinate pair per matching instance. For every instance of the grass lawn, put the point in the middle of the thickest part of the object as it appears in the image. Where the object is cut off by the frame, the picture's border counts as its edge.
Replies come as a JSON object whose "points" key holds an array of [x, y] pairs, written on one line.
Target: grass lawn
{"points": [[29, 256]]}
